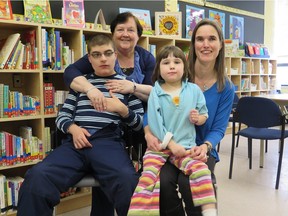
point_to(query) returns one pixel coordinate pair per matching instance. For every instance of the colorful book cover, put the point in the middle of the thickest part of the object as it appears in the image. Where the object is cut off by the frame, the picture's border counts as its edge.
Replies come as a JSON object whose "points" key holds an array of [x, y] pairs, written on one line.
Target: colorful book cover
{"points": [[219, 17], [73, 13], [143, 17], [193, 16], [37, 11], [168, 24], [236, 29], [6, 9]]}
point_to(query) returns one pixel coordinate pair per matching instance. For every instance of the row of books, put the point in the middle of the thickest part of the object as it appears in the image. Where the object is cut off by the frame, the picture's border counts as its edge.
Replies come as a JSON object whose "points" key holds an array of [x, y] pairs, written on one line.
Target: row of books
{"points": [[56, 54], [52, 98], [19, 51], [20, 149], [9, 190], [15, 104]]}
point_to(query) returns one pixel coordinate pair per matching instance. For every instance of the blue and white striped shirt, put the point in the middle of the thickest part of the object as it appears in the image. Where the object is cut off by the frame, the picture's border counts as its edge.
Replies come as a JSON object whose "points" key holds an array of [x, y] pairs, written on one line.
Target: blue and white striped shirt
{"points": [[78, 110]]}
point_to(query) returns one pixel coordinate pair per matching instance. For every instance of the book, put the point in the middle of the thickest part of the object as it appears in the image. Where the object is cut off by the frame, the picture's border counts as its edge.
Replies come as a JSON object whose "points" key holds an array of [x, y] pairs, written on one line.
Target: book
{"points": [[73, 13], [143, 16], [8, 46], [168, 24], [37, 11], [6, 10]]}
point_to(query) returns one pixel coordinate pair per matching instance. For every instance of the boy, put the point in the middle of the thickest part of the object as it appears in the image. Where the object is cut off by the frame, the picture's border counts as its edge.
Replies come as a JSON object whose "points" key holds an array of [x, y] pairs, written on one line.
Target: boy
{"points": [[94, 139]]}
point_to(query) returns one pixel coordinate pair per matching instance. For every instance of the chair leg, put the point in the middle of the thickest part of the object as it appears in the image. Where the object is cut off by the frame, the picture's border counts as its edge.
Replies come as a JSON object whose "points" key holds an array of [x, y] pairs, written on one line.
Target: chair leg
{"points": [[232, 151], [218, 147], [266, 146], [250, 152], [279, 164], [239, 128]]}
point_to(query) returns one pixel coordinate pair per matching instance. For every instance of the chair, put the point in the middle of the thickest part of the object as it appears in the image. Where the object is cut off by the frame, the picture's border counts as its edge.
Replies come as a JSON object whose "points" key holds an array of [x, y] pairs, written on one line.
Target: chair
{"points": [[234, 105], [259, 115]]}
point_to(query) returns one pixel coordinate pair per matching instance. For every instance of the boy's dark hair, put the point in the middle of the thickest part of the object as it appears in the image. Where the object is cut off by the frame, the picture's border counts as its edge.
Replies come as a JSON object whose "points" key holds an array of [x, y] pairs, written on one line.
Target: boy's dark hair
{"points": [[99, 40], [164, 53], [122, 18]]}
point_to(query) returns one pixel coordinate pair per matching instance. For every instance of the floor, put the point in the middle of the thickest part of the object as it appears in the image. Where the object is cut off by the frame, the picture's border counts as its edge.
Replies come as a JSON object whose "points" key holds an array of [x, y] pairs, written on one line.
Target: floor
{"points": [[249, 192]]}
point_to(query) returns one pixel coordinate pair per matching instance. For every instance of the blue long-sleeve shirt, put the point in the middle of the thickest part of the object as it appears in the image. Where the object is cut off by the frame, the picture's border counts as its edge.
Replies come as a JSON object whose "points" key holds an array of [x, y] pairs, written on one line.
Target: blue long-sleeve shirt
{"points": [[219, 106], [78, 109]]}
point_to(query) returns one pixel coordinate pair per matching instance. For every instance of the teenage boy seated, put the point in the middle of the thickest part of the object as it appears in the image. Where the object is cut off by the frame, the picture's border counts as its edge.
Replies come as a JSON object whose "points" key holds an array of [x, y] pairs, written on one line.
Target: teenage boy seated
{"points": [[93, 143]]}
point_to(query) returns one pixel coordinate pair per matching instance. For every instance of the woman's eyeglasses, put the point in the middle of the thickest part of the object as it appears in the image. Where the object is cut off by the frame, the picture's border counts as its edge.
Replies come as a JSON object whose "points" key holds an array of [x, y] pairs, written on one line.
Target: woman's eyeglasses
{"points": [[98, 55]]}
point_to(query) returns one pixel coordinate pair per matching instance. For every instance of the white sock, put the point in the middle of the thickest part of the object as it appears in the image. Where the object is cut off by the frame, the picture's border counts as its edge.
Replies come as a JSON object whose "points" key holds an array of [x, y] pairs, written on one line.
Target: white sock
{"points": [[209, 212]]}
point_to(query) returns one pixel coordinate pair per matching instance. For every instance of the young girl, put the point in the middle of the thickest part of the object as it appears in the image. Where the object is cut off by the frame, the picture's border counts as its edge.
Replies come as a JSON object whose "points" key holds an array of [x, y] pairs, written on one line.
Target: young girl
{"points": [[174, 107]]}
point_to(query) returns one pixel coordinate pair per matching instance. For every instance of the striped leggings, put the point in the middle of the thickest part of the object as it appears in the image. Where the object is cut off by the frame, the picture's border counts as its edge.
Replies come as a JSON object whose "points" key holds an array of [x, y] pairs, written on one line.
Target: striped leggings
{"points": [[145, 200]]}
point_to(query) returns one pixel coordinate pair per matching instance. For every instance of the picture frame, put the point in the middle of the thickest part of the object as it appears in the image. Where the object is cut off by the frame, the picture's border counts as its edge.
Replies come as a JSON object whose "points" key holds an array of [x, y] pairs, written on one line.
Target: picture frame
{"points": [[6, 10], [143, 16], [168, 24]]}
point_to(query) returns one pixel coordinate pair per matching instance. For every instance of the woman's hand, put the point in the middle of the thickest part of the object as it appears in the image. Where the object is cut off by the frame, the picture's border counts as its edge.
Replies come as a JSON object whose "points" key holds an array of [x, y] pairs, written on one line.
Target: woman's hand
{"points": [[97, 99], [199, 153], [79, 136], [121, 86]]}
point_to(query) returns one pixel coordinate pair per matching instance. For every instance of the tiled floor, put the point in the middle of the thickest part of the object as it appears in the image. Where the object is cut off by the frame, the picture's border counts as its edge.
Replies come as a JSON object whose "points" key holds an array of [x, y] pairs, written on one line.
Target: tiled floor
{"points": [[249, 192]]}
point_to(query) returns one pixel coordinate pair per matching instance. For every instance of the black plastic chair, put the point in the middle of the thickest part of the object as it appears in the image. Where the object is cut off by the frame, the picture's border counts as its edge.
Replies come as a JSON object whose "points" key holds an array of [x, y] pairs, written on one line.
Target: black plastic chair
{"points": [[259, 115]]}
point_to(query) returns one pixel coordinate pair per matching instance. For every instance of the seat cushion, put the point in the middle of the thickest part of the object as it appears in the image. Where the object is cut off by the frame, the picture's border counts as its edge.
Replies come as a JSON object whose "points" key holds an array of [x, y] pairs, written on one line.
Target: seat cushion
{"points": [[262, 133]]}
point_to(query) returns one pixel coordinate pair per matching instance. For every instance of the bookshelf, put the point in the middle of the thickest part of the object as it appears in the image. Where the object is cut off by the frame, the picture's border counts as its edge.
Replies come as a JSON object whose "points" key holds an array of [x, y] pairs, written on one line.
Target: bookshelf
{"points": [[31, 82]]}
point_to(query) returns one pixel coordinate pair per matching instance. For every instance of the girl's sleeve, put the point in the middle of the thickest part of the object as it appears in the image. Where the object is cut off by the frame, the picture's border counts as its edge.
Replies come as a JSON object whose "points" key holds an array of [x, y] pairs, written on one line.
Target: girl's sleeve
{"points": [[155, 118]]}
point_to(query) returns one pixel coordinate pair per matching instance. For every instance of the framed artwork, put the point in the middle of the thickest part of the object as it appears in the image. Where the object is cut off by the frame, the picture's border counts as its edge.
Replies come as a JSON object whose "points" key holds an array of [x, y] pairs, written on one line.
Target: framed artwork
{"points": [[168, 24], [236, 29], [219, 17], [143, 17], [193, 16], [6, 9]]}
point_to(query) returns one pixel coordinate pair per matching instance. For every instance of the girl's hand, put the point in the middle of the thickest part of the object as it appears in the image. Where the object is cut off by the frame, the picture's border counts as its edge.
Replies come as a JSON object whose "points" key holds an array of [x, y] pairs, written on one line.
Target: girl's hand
{"points": [[121, 86], [176, 149], [194, 116], [97, 99]]}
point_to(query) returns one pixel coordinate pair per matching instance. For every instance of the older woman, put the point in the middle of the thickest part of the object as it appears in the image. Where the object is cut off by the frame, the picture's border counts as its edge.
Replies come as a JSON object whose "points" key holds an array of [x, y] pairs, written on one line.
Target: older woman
{"points": [[134, 62]]}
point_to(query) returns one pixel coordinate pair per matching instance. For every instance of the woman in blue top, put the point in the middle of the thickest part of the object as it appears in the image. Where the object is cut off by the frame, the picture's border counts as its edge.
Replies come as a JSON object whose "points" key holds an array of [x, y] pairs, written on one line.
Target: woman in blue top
{"points": [[207, 65], [134, 62]]}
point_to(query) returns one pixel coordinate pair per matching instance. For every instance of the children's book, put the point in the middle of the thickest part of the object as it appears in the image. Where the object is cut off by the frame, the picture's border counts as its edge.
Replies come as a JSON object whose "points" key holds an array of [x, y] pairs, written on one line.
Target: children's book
{"points": [[73, 13], [37, 11], [143, 17], [168, 24], [5, 9], [193, 16]]}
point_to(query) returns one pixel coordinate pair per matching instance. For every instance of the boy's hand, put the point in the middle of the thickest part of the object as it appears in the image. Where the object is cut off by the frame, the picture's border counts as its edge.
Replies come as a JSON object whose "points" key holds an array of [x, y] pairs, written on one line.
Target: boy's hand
{"points": [[115, 105], [79, 136]]}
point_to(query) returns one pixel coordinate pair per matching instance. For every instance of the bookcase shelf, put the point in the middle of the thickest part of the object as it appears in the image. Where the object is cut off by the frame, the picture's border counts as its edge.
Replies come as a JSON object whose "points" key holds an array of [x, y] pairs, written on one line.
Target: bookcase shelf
{"points": [[32, 83]]}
